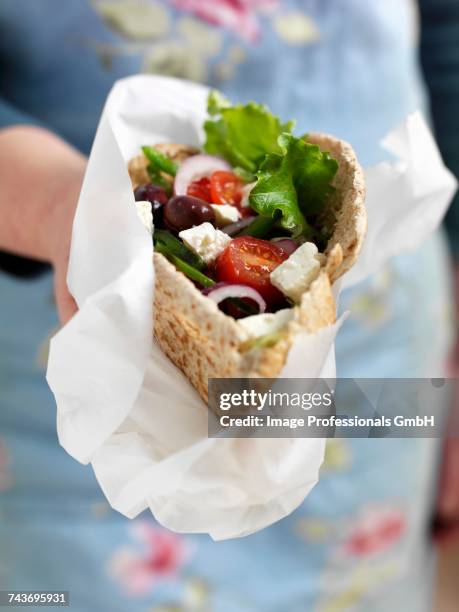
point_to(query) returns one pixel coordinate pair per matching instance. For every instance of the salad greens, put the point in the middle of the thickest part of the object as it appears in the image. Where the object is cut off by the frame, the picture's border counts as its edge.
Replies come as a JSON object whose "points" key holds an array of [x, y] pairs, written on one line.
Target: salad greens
{"points": [[190, 264], [296, 183], [245, 175], [293, 176], [312, 170], [275, 190], [260, 226], [192, 273], [243, 135], [159, 162], [184, 260], [169, 245]]}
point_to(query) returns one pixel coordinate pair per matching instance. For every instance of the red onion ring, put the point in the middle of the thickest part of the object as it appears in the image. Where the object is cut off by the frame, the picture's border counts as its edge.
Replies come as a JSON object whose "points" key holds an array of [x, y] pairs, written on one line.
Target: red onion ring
{"points": [[194, 168], [223, 291], [234, 228]]}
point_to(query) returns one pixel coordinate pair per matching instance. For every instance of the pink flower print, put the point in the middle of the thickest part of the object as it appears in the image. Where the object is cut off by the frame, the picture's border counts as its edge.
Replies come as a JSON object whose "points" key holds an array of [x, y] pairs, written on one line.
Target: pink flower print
{"points": [[5, 475], [376, 532], [163, 555], [238, 16]]}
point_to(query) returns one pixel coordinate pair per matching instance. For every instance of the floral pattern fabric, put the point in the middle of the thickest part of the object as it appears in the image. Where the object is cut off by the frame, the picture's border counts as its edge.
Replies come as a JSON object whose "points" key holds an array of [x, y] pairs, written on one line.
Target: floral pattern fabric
{"points": [[359, 541]]}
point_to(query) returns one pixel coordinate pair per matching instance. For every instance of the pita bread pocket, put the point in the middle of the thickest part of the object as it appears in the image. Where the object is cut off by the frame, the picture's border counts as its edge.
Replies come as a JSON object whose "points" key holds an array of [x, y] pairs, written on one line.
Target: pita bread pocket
{"points": [[192, 329]]}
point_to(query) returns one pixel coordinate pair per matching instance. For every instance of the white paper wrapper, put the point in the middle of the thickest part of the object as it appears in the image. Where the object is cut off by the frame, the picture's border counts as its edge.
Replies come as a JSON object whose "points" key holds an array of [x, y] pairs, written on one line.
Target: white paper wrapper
{"points": [[406, 199], [121, 404]]}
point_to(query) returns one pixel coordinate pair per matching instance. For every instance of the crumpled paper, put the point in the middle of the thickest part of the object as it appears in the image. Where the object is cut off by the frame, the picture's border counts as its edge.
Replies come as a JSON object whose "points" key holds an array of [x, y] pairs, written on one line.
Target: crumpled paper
{"points": [[121, 404]]}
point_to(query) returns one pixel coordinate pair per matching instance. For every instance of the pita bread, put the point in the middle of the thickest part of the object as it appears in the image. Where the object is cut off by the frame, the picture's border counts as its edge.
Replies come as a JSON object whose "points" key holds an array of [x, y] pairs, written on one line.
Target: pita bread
{"points": [[204, 342]]}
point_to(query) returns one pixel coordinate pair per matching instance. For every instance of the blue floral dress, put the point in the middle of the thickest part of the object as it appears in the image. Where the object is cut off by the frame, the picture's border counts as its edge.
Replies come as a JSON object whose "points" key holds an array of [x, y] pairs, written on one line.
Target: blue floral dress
{"points": [[360, 541]]}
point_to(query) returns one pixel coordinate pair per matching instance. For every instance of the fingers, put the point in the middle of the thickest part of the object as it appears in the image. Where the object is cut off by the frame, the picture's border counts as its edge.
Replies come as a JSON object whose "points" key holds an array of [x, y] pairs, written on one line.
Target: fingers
{"points": [[65, 303], [66, 307]]}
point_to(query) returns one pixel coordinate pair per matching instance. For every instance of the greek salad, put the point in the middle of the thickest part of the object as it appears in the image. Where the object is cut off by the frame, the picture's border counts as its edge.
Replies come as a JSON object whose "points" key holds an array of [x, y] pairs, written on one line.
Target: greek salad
{"points": [[245, 218]]}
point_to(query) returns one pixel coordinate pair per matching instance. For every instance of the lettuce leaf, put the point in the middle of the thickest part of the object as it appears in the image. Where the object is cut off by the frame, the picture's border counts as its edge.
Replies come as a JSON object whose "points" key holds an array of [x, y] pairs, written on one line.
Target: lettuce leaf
{"points": [[295, 182], [314, 174], [293, 176], [242, 134]]}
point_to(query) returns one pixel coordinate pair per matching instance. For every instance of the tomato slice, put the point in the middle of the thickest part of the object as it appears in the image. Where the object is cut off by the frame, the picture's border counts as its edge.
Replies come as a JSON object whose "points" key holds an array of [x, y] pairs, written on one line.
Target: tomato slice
{"points": [[226, 188], [200, 189], [250, 261]]}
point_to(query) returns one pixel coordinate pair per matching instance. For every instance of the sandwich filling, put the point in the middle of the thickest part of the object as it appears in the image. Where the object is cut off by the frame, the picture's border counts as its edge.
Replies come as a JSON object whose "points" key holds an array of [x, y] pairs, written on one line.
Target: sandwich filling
{"points": [[246, 219]]}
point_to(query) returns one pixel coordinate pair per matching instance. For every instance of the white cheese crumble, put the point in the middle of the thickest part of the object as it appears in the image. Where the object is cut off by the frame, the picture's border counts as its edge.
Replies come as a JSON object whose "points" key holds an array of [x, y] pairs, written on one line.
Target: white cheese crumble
{"points": [[225, 214], [245, 194], [145, 215], [205, 241], [266, 323], [294, 275]]}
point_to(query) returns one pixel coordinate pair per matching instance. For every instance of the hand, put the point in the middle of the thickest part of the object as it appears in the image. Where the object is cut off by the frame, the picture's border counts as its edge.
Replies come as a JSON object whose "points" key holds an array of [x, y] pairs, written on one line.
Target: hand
{"points": [[58, 229], [40, 180], [61, 227]]}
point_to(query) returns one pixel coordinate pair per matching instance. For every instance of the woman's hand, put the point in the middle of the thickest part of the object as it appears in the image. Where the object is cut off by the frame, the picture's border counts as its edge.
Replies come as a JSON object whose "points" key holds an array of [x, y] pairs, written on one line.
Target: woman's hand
{"points": [[40, 181], [61, 228]]}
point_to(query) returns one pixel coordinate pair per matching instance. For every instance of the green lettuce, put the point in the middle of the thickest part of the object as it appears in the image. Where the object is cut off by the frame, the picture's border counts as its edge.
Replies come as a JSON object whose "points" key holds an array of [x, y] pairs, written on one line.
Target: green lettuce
{"points": [[295, 182], [242, 134], [294, 177]]}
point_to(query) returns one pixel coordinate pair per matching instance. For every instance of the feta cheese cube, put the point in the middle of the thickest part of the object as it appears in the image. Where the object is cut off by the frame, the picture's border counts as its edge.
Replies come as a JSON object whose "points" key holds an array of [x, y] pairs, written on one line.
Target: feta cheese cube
{"points": [[205, 241], [266, 323], [246, 192], [225, 214], [294, 275], [145, 215]]}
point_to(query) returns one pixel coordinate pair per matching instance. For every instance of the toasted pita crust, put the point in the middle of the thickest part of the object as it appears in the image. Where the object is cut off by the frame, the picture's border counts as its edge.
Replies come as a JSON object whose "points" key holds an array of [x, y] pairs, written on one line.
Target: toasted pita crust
{"points": [[138, 165], [346, 205], [205, 343]]}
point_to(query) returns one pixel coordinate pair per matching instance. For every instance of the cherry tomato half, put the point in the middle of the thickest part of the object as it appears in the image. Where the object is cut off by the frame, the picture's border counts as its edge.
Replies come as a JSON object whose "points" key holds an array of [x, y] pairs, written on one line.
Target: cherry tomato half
{"points": [[200, 189], [249, 261], [226, 188]]}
